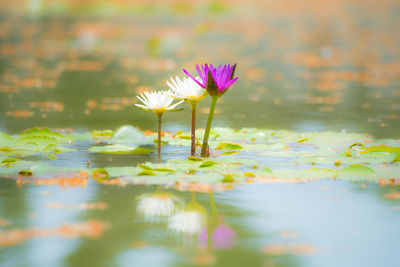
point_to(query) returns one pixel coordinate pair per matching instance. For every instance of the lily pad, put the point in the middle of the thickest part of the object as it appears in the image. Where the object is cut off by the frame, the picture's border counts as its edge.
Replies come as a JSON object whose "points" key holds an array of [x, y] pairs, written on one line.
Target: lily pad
{"points": [[119, 149], [383, 148], [208, 163], [228, 146], [102, 134], [356, 173], [100, 175]]}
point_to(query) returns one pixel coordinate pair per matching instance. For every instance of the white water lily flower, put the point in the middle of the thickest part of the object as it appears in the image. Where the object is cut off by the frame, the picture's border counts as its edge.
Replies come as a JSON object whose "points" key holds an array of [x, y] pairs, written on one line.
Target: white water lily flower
{"points": [[157, 205], [187, 222], [158, 102], [186, 89]]}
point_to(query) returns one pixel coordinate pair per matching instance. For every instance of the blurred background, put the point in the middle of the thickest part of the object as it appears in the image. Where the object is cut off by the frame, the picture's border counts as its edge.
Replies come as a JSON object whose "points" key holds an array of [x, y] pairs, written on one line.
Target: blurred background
{"points": [[302, 65]]}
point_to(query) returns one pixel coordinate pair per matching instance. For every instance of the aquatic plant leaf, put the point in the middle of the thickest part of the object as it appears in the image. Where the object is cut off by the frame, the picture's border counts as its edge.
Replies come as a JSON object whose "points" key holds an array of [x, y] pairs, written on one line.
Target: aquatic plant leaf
{"points": [[383, 148], [228, 178], [146, 173], [25, 173], [121, 171], [230, 152], [265, 156], [158, 169], [119, 149], [195, 158], [9, 161], [34, 140], [102, 134], [356, 173], [311, 173], [6, 140], [208, 163], [100, 175], [129, 135], [163, 170], [228, 146], [41, 132]]}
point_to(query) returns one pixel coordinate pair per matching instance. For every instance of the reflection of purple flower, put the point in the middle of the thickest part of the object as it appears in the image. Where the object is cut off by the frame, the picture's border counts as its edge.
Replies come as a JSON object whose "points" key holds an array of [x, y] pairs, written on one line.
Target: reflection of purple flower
{"points": [[219, 81], [223, 237]]}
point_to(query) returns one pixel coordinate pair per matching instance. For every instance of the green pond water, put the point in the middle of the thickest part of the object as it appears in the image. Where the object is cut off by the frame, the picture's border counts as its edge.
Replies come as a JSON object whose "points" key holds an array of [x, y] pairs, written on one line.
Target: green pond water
{"points": [[303, 68]]}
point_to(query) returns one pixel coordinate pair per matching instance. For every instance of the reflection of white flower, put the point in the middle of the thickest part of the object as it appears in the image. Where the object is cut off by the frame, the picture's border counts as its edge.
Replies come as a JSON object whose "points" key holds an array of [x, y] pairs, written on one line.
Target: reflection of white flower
{"points": [[187, 222], [190, 220], [157, 205], [158, 102], [186, 89]]}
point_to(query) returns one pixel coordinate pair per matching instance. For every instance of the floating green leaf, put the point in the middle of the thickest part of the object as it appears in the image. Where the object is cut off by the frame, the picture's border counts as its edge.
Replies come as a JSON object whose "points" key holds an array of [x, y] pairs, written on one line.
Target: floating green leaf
{"points": [[195, 158], [129, 135], [41, 132], [228, 178], [25, 173], [120, 149], [228, 146], [100, 175], [9, 161], [146, 173], [147, 168], [383, 148], [208, 163], [103, 134], [356, 173]]}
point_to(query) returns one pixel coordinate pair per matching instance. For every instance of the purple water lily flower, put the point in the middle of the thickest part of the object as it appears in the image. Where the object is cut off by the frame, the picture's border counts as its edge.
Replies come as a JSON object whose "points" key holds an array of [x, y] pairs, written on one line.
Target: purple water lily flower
{"points": [[215, 80]]}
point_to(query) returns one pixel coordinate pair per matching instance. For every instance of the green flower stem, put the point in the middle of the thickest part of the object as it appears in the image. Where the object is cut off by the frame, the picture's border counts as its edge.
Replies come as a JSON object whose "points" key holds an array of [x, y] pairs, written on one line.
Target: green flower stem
{"points": [[193, 147], [159, 137], [204, 149]]}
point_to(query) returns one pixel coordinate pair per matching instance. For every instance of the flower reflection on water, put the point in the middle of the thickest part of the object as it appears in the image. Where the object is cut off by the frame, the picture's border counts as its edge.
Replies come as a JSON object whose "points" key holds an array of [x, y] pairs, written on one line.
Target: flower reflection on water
{"points": [[200, 228], [223, 237], [189, 220], [217, 234], [156, 205], [209, 227]]}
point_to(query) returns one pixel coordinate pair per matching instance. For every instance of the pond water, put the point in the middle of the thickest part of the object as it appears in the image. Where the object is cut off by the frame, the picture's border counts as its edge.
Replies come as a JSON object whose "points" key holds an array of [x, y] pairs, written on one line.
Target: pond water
{"points": [[323, 223], [77, 66]]}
